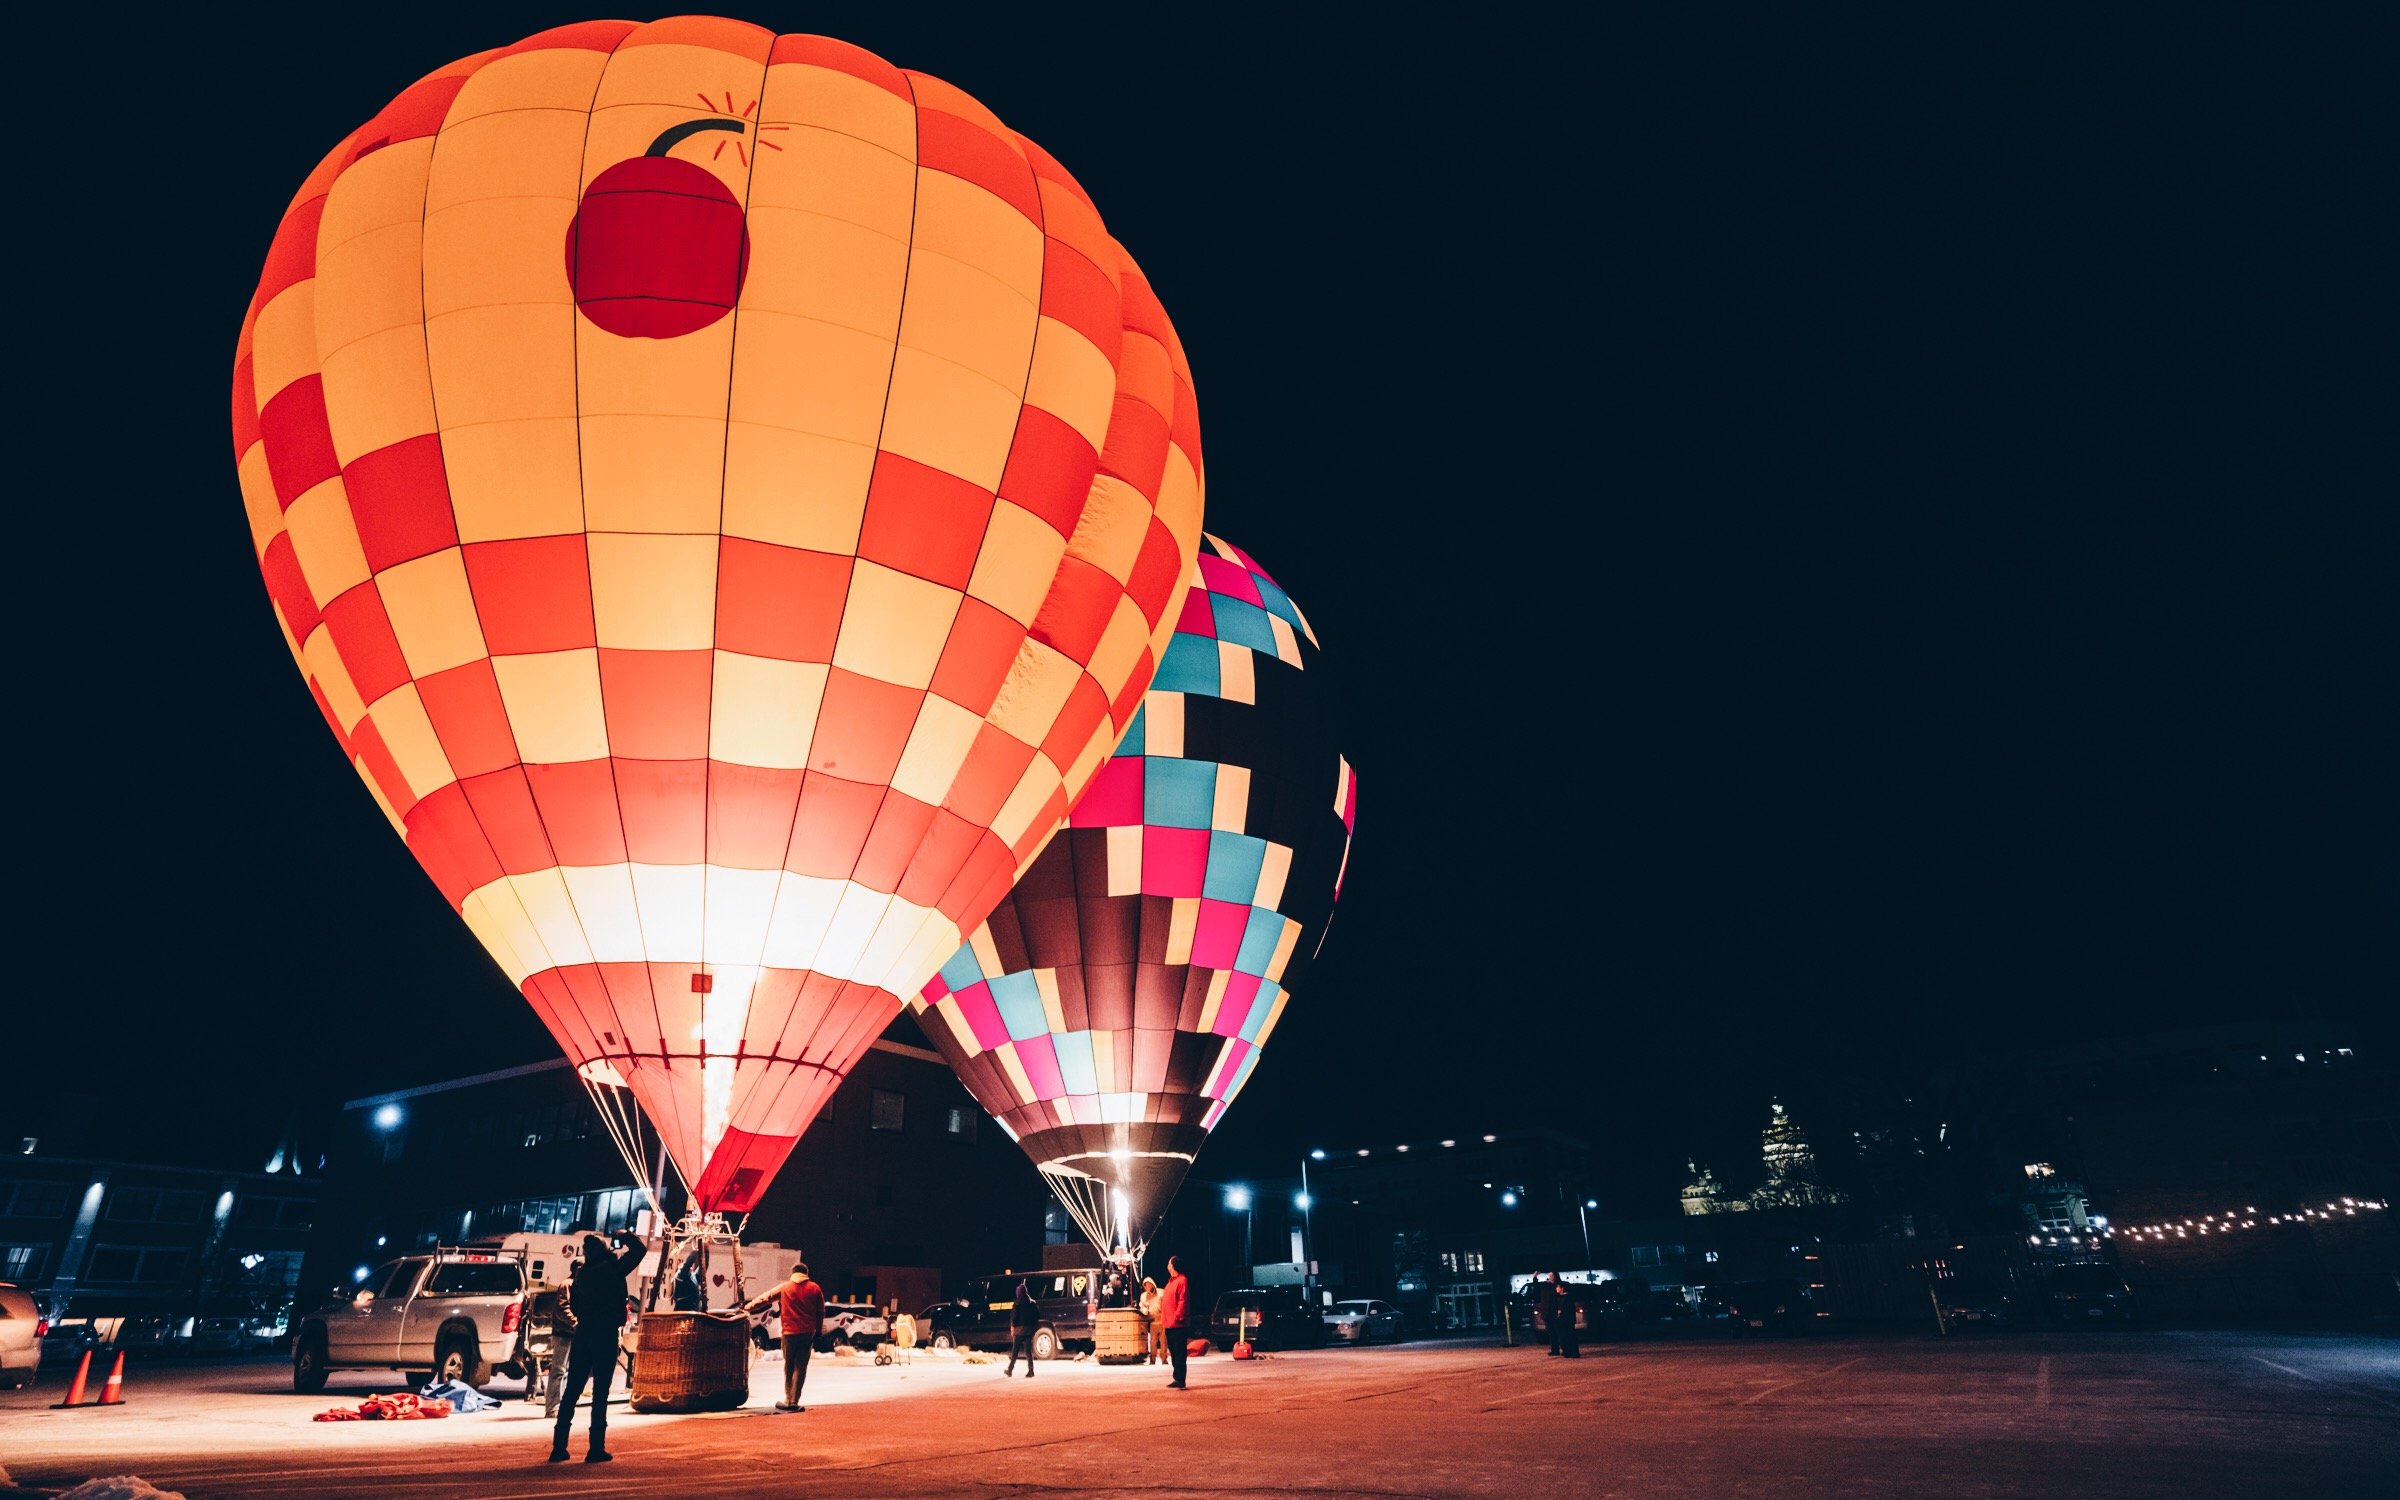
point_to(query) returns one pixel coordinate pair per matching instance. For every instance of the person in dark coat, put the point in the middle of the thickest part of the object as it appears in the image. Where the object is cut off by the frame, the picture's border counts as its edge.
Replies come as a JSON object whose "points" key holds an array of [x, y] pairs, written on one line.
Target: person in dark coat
{"points": [[1024, 1315], [597, 1299], [691, 1284], [1175, 1311], [1558, 1310]]}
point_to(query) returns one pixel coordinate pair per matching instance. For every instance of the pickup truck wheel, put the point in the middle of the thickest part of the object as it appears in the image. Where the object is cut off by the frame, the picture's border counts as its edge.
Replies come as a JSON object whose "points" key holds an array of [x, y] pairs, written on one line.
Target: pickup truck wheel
{"points": [[455, 1357], [1045, 1344], [308, 1366]]}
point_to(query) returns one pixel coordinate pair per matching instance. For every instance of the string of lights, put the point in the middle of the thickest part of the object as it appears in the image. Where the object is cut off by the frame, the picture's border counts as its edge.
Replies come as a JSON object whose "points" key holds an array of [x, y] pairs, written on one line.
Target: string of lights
{"points": [[2245, 1218]]}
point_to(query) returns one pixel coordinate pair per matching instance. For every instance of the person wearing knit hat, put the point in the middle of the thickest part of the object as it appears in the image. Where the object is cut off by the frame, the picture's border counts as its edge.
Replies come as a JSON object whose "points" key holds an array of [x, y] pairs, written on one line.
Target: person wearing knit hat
{"points": [[800, 1306]]}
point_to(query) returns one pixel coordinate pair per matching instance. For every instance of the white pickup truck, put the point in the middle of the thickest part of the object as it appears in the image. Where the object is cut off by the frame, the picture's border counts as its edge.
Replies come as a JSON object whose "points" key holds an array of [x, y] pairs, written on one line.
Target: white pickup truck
{"points": [[455, 1313]]}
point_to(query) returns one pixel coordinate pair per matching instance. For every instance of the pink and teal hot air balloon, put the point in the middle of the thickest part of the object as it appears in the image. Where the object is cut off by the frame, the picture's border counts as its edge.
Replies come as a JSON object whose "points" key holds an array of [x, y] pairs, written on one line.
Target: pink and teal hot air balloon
{"points": [[1113, 1005]]}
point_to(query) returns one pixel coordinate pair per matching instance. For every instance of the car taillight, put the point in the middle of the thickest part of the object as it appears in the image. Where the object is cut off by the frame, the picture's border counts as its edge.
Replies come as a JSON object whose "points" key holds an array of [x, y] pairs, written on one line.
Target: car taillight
{"points": [[513, 1316], [41, 1328]]}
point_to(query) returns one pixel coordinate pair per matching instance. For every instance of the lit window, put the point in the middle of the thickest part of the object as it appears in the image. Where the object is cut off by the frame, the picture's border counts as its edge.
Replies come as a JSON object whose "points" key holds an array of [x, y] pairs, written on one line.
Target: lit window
{"points": [[961, 1122], [1474, 1260]]}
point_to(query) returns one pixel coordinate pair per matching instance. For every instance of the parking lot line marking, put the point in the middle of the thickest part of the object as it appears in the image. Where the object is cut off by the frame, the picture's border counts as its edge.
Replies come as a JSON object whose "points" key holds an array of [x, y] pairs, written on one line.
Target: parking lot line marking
{"points": [[2041, 1382], [1561, 1385], [1797, 1380], [2321, 1380]]}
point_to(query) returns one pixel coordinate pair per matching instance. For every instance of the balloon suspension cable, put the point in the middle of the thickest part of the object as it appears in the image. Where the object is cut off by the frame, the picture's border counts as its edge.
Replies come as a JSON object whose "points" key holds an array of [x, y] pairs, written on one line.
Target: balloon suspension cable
{"points": [[699, 1237], [1099, 1209], [629, 1131]]}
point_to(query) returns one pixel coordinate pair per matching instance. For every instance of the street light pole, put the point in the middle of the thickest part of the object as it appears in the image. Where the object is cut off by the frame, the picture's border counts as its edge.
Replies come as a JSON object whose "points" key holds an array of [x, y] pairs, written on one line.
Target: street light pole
{"points": [[1308, 1238], [1587, 1231], [1240, 1197]]}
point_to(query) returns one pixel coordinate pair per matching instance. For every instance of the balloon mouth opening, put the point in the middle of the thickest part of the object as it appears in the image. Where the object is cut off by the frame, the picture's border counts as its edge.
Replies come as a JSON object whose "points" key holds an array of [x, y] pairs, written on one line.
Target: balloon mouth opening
{"points": [[1104, 1163]]}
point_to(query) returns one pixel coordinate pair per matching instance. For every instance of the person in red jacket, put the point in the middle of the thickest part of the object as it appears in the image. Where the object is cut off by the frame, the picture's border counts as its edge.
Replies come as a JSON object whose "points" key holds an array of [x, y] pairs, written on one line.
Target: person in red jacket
{"points": [[1174, 1310], [800, 1304]]}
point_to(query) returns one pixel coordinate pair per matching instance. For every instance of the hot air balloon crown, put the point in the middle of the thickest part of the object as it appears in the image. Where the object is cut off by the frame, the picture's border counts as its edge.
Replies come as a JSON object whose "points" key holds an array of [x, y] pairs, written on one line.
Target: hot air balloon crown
{"points": [[727, 495], [1115, 1003]]}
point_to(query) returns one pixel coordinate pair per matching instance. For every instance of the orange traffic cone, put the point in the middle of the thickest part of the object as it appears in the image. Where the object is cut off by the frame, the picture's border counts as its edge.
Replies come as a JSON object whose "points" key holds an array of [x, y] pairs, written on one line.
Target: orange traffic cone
{"points": [[75, 1386], [113, 1393]]}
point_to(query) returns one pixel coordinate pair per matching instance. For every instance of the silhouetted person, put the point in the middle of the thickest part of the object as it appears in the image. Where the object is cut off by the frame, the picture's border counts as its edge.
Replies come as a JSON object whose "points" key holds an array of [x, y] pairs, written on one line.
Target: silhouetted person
{"points": [[1558, 1310], [597, 1299], [1023, 1318], [1174, 1310], [691, 1287]]}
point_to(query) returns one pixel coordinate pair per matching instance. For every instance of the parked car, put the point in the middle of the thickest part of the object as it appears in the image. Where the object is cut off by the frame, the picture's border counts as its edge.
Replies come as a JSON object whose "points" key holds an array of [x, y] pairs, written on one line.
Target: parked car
{"points": [[221, 1333], [2085, 1296], [861, 1325], [1370, 1321], [939, 1326], [1602, 1309], [22, 1329], [1271, 1317], [68, 1338], [456, 1314], [1778, 1305], [1974, 1303]]}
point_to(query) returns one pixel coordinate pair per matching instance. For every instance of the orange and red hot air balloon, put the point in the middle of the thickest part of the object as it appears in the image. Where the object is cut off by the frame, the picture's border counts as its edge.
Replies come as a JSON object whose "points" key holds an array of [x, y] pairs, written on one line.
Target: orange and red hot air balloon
{"points": [[728, 495]]}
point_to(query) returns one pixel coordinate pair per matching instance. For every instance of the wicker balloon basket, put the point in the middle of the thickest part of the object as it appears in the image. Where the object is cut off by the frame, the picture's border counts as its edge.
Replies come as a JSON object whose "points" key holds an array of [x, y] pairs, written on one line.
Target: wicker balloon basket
{"points": [[1120, 1336], [691, 1362]]}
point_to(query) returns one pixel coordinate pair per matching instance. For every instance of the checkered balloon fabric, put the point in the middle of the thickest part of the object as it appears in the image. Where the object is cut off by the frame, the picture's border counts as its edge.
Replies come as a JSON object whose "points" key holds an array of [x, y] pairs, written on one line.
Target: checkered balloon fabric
{"points": [[1114, 1004], [727, 496]]}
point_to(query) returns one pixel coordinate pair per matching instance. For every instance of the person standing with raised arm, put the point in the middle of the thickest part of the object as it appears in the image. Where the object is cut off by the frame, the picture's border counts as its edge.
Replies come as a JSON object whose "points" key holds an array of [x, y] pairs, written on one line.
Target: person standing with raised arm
{"points": [[800, 1311], [596, 1298]]}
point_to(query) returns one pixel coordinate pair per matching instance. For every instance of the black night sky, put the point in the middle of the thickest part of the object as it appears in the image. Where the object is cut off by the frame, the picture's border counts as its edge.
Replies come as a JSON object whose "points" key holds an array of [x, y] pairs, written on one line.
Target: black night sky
{"points": [[1849, 542]]}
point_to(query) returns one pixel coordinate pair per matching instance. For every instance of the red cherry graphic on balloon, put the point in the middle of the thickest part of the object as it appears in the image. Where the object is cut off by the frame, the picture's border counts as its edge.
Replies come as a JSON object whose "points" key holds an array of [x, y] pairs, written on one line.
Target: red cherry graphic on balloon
{"points": [[658, 247]]}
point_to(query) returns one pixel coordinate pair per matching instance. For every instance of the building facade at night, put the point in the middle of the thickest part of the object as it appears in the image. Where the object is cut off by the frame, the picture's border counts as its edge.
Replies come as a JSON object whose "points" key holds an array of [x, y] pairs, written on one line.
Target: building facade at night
{"points": [[159, 1253]]}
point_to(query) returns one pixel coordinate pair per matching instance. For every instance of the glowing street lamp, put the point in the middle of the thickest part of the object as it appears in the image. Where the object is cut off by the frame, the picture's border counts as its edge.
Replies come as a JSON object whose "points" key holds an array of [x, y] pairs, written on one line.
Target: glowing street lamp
{"points": [[1237, 1200]]}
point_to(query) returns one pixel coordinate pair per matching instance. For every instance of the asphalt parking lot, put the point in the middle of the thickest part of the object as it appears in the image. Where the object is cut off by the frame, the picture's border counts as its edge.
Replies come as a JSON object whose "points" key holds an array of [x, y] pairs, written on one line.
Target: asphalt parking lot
{"points": [[2131, 1413]]}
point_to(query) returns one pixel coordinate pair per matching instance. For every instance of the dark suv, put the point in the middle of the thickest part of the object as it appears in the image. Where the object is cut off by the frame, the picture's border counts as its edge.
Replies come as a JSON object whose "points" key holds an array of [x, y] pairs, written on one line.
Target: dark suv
{"points": [[2084, 1296], [1274, 1317], [1778, 1305], [1064, 1296], [1602, 1310]]}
